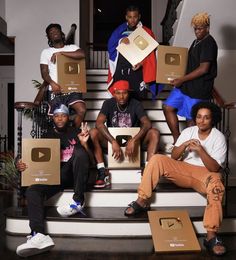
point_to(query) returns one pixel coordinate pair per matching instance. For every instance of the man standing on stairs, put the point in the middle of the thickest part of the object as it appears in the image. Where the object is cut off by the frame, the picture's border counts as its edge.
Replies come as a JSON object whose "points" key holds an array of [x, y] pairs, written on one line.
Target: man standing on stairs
{"points": [[57, 46], [195, 162], [121, 111], [74, 173], [142, 74], [198, 82]]}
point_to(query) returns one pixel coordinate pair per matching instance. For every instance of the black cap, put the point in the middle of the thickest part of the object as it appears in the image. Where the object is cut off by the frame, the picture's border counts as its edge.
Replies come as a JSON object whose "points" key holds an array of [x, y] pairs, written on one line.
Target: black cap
{"points": [[53, 25]]}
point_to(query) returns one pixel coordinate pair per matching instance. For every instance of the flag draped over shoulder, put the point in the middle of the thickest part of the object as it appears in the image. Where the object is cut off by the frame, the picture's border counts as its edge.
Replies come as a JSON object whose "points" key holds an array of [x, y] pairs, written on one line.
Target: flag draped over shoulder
{"points": [[149, 63]]}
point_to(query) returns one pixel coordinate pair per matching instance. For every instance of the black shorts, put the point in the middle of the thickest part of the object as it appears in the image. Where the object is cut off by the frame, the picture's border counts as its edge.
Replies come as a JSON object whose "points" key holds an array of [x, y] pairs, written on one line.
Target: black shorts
{"points": [[67, 99]]}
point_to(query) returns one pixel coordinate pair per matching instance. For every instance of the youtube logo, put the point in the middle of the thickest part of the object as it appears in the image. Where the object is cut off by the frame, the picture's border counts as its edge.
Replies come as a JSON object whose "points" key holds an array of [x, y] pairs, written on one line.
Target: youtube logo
{"points": [[122, 140], [172, 59], [71, 68], [41, 154]]}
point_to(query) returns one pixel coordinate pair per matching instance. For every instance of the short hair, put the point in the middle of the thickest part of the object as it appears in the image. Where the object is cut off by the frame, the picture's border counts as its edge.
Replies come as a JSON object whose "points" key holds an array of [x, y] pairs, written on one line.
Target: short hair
{"points": [[201, 19], [132, 8], [215, 111], [49, 27]]}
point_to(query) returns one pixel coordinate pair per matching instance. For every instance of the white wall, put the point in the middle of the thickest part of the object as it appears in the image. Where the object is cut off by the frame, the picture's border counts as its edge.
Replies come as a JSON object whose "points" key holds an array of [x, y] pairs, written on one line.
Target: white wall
{"points": [[158, 13], [223, 29], [27, 20]]}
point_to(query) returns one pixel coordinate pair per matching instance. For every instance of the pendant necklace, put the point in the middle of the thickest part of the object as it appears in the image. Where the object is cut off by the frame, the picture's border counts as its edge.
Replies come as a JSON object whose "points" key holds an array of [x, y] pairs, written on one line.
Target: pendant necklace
{"points": [[196, 42], [120, 110]]}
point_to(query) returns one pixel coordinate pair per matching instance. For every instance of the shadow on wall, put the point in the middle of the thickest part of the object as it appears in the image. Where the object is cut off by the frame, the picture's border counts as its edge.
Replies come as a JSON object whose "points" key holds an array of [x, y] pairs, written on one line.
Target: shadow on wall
{"points": [[225, 83], [228, 33]]}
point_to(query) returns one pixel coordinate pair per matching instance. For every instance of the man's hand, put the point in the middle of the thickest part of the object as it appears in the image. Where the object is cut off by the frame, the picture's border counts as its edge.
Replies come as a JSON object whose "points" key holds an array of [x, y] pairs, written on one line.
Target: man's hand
{"points": [[195, 145], [84, 134], [20, 166], [137, 66], [130, 148], [54, 57], [116, 150], [55, 87], [125, 40], [176, 82]]}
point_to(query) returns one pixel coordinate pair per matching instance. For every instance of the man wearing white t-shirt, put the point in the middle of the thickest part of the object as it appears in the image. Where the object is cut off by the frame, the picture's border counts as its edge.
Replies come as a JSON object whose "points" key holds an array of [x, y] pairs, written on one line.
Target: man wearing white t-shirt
{"points": [[57, 46], [195, 162]]}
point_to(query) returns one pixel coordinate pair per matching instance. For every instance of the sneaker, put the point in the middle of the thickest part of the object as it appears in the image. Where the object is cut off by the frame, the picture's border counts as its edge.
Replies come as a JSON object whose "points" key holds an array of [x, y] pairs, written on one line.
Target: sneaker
{"points": [[103, 179], [70, 209], [36, 244], [168, 148]]}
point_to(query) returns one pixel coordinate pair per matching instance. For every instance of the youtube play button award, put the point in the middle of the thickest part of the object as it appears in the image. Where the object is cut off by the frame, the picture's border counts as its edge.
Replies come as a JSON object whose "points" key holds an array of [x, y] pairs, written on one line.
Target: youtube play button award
{"points": [[71, 74], [42, 157], [171, 63]]}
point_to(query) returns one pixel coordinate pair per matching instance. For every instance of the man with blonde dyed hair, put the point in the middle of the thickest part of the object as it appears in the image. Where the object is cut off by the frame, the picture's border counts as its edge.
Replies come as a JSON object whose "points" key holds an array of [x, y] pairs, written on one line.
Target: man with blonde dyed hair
{"points": [[198, 82]]}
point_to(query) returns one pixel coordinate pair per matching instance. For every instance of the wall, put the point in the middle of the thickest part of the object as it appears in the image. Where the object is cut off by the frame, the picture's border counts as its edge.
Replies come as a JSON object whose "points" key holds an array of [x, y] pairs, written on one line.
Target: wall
{"points": [[223, 29], [27, 20], [2, 9]]}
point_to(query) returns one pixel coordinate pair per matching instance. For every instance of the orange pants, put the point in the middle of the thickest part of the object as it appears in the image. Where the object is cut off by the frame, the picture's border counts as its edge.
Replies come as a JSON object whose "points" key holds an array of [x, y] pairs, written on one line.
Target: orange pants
{"points": [[187, 176]]}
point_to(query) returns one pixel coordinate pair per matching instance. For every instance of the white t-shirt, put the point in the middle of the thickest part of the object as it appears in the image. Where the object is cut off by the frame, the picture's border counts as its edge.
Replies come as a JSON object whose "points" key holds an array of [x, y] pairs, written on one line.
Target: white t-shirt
{"points": [[214, 144], [46, 59]]}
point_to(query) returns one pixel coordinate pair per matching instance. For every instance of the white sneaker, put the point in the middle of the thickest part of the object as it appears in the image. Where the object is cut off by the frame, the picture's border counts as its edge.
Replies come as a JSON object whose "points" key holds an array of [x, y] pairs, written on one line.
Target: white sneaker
{"points": [[36, 244], [70, 209], [168, 148]]}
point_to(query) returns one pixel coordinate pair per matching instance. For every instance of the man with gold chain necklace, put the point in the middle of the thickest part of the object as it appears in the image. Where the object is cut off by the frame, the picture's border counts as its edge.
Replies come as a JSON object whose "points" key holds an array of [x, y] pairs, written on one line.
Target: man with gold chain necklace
{"points": [[198, 82], [121, 111]]}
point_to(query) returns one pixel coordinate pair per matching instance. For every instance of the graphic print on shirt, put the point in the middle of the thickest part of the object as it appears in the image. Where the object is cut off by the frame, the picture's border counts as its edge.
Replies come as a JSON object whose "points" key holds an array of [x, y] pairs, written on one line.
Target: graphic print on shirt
{"points": [[121, 120], [67, 153]]}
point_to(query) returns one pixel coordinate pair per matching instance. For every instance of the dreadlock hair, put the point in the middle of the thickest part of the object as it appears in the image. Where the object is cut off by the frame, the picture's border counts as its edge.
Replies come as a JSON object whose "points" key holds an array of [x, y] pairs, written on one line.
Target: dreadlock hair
{"points": [[58, 26], [132, 8], [201, 19], [215, 111]]}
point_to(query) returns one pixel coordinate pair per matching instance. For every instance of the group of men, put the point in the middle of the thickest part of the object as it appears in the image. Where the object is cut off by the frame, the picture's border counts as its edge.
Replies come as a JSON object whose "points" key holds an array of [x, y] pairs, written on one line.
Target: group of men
{"points": [[197, 153]]}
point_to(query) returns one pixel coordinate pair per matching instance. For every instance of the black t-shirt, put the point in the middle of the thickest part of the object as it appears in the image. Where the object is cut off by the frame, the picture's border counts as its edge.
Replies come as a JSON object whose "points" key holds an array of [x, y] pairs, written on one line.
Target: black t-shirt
{"points": [[203, 51], [68, 140], [129, 117]]}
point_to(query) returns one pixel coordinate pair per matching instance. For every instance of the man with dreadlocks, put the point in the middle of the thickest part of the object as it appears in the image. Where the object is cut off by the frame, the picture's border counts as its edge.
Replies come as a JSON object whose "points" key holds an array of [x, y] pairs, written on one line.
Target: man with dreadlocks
{"points": [[57, 46], [198, 82]]}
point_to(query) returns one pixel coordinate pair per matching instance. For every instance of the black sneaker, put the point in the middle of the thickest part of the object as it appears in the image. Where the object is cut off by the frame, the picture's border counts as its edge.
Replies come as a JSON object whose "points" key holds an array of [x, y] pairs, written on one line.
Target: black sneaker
{"points": [[103, 178]]}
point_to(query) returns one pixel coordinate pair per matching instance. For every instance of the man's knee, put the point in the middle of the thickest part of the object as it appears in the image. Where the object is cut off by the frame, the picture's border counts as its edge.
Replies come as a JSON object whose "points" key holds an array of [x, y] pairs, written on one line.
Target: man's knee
{"points": [[167, 108], [80, 108], [93, 133], [153, 134]]}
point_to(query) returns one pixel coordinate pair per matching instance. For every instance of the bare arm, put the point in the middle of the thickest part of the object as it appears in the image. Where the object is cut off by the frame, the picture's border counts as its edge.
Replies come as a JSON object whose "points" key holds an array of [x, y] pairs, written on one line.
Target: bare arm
{"points": [[100, 125], [194, 145], [45, 75], [198, 72], [145, 126], [210, 163]]}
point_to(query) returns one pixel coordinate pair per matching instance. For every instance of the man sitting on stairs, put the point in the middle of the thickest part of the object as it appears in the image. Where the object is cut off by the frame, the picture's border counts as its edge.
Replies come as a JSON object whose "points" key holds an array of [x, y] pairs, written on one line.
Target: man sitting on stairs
{"points": [[196, 159], [121, 111], [57, 46], [74, 172]]}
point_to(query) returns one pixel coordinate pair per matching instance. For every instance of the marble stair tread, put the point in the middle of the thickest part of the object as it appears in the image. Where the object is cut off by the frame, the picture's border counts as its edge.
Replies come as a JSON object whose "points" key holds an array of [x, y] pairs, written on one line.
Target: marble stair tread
{"points": [[102, 214]]}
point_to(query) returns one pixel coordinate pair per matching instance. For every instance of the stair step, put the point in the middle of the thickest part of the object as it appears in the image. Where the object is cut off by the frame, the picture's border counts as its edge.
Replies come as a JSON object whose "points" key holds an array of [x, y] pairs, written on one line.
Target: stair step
{"points": [[103, 222], [121, 194]]}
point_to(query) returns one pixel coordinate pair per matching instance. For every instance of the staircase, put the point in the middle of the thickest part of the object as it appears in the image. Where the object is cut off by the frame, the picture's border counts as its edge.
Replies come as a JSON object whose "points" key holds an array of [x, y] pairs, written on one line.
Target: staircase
{"points": [[103, 215]]}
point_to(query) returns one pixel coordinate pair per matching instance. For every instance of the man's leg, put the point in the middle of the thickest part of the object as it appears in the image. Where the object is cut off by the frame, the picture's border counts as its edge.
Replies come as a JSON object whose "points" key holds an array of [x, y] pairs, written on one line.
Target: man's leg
{"points": [[152, 141], [75, 172], [36, 195], [103, 173], [38, 242], [80, 167], [172, 121]]}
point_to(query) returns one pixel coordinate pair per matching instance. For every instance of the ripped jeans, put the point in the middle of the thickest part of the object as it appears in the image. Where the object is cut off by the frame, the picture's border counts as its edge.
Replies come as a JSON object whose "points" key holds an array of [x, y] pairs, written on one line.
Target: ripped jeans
{"points": [[187, 176]]}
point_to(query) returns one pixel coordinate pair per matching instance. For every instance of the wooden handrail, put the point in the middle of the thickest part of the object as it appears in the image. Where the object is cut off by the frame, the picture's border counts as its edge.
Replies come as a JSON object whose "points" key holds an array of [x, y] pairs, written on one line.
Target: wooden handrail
{"points": [[221, 102]]}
